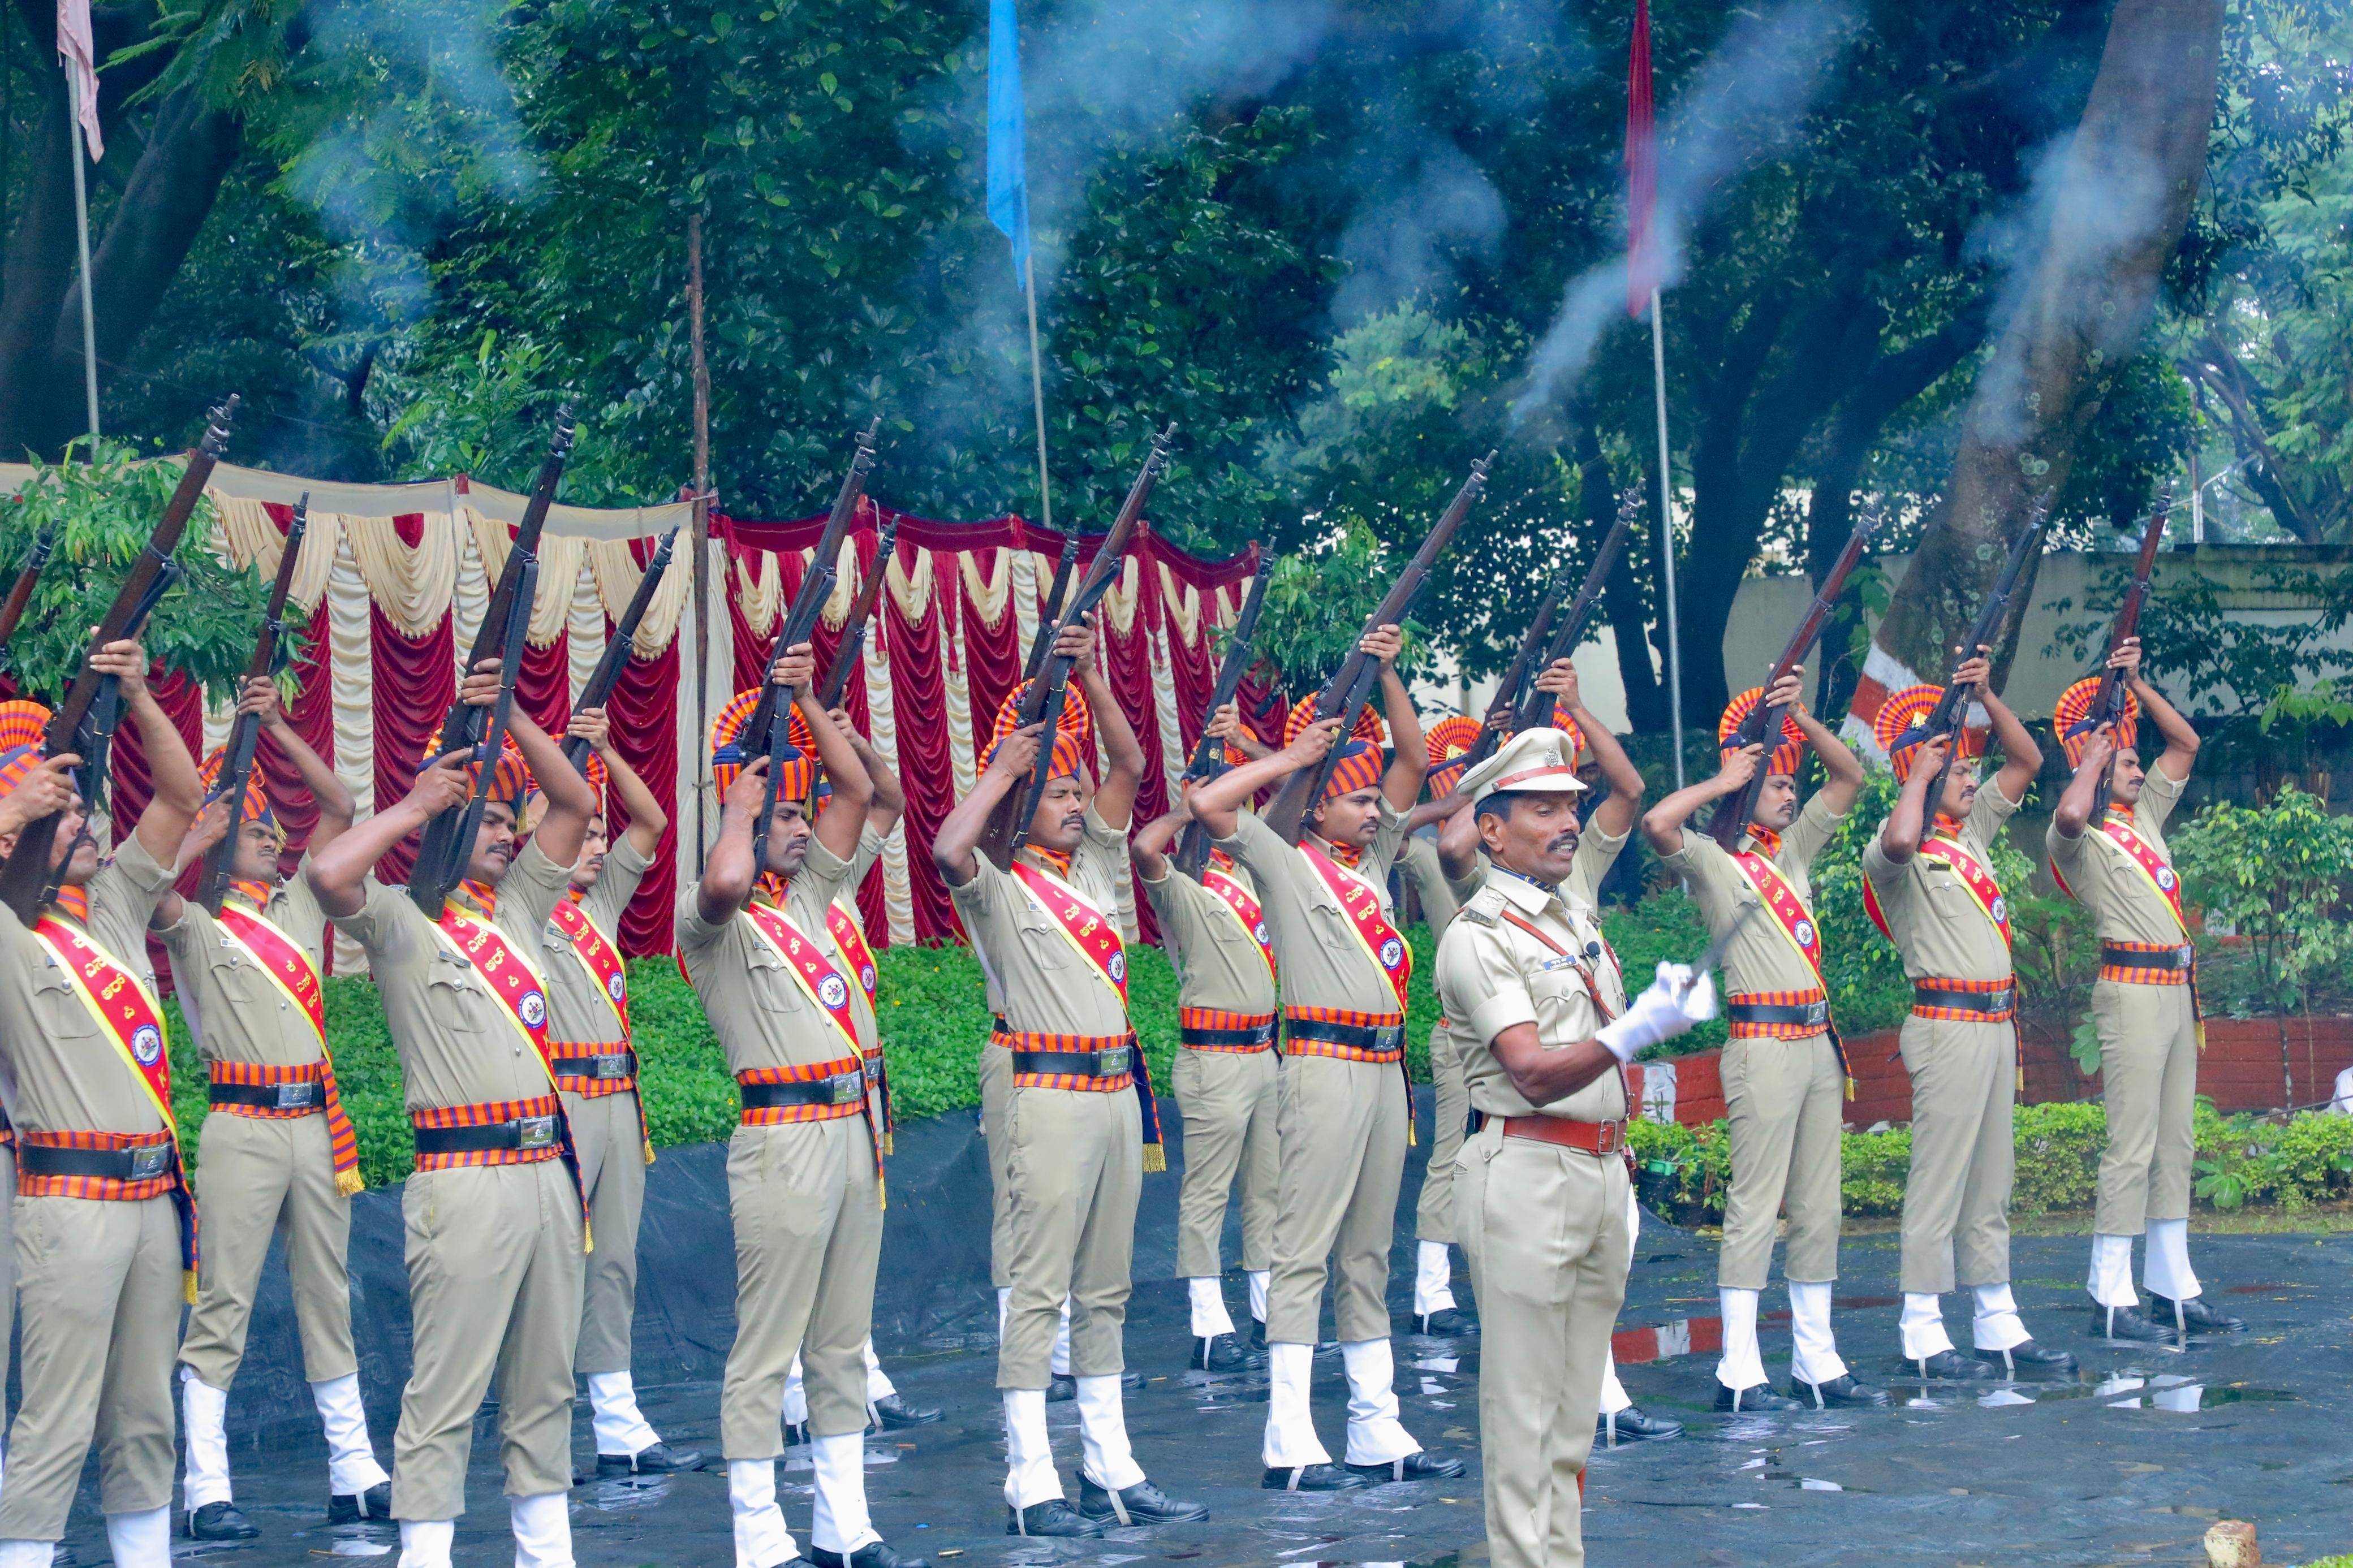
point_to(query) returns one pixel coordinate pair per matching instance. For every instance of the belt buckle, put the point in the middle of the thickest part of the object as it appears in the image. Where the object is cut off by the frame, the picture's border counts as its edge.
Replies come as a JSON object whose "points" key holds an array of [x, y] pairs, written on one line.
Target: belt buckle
{"points": [[2185, 955], [1613, 1136], [149, 1160], [1113, 1062], [612, 1067], [1817, 1012], [1389, 1036], [535, 1132], [2003, 1000], [1263, 1034], [848, 1088], [297, 1096]]}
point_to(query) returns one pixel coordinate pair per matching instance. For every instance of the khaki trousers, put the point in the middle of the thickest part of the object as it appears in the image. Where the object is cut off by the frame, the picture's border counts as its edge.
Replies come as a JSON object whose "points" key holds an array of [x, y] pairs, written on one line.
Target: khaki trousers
{"points": [[1785, 1102], [1433, 1218], [996, 1099], [2149, 1077], [808, 1233], [1342, 1126], [612, 1145], [1957, 1199], [7, 1268], [494, 1266], [1074, 1170], [1229, 1106], [101, 1312], [261, 1175], [1546, 1232]]}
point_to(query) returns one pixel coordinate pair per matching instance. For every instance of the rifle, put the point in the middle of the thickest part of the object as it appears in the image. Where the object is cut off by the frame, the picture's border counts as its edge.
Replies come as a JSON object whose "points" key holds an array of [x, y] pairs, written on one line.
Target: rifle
{"points": [[245, 733], [607, 673], [1209, 755], [429, 883], [2108, 703], [769, 728], [1052, 615], [861, 610], [1733, 811], [1535, 707], [1944, 721], [26, 884], [1346, 692], [440, 850], [28, 576], [1008, 824]]}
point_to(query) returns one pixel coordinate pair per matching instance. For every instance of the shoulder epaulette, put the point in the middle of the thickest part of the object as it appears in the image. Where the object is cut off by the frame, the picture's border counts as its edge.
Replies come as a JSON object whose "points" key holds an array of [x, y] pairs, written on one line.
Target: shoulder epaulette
{"points": [[1486, 906]]}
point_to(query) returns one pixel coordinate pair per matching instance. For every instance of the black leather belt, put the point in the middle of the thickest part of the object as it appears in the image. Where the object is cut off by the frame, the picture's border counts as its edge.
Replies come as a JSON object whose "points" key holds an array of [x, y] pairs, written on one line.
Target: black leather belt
{"points": [[842, 1089], [1816, 1013], [1928, 993], [142, 1163], [1258, 1035], [309, 1095], [616, 1063], [1357, 1037], [523, 1132], [1110, 1063], [2114, 956]]}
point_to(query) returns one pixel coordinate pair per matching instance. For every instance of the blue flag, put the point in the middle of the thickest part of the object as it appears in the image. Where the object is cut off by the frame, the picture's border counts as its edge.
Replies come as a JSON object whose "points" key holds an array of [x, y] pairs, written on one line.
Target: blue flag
{"points": [[1008, 173]]}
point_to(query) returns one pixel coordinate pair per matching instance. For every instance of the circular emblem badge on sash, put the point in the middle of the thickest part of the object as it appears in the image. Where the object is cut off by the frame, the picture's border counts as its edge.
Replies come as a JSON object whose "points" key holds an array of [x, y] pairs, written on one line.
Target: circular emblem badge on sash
{"points": [[1392, 953], [866, 977], [533, 1008], [618, 986], [2001, 910], [832, 992], [1805, 934], [1117, 967], [2165, 877], [1258, 934], [147, 1045]]}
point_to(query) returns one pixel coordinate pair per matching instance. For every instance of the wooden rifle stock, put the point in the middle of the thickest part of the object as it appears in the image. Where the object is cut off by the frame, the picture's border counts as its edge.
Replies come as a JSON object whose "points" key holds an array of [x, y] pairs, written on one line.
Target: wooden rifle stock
{"points": [[861, 610], [1287, 813], [775, 741], [1535, 707], [1511, 692], [2108, 704], [429, 884], [1368, 674], [1763, 724], [25, 886], [244, 732], [1008, 824], [1945, 720], [29, 576], [1058, 593], [607, 673], [1210, 755]]}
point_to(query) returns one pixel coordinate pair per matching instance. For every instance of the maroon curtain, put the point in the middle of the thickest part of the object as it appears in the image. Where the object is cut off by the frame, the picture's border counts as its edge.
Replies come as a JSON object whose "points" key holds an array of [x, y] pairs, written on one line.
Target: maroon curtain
{"points": [[993, 656], [918, 696], [644, 711], [416, 682], [753, 651], [182, 701], [544, 684], [311, 716]]}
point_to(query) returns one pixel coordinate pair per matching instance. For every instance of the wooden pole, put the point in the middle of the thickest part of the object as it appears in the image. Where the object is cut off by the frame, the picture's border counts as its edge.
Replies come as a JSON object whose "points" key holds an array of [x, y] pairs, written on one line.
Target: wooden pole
{"points": [[701, 533]]}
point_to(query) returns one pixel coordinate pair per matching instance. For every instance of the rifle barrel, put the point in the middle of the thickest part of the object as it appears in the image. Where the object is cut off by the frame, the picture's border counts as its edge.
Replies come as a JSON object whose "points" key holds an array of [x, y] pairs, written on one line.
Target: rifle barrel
{"points": [[607, 673]]}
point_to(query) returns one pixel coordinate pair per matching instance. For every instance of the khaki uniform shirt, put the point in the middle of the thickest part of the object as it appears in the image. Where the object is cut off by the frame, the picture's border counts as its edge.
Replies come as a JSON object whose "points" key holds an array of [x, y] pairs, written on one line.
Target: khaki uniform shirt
{"points": [[1761, 958], [1440, 895], [1492, 975], [1219, 964], [1324, 962], [2124, 907], [1940, 927], [458, 1043], [763, 1016], [68, 1076], [579, 1013], [1044, 986], [236, 1011], [870, 845]]}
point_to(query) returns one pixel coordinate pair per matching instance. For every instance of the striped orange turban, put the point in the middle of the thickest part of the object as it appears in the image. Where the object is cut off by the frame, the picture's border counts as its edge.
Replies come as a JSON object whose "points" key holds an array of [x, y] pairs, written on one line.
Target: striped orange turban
{"points": [[1786, 752], [2071, 717], [729, 756], [1449, 741]]}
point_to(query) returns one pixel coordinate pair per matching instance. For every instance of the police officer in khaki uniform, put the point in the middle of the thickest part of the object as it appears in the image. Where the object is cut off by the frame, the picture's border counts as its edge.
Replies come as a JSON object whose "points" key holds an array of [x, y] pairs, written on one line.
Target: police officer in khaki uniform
{"points": [[2111, 855], [1936, 898], [805, 1168], [596, 1074], [279, 1149], [1216, 935], [1346, 1108], [1075, 1133], [492, 1215], [1541, 1191], [1784, 1070], [104, 1232]]}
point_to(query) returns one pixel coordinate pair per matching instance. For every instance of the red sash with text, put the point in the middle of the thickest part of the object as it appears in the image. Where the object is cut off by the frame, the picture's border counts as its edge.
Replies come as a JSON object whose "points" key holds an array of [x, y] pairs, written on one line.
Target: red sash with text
{"points": [[1796, 922], [288, 967], [1371, 928], [1237, 897], [602, 960], [823, 983], [2144, 858], [1973, 875], [521, 997], [841, 923], [1096, 937]]}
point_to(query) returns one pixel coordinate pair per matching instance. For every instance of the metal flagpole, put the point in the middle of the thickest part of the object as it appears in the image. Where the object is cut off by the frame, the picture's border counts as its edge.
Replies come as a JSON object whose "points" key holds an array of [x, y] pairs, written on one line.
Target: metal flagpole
{"points": [[81, 235], [1038, 392], [702, 532], [1667, 537]]}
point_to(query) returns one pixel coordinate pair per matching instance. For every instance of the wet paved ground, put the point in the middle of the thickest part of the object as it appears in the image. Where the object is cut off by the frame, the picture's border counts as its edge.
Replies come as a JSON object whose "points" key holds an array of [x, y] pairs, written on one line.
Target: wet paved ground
{"points": [[2126, 1465]]}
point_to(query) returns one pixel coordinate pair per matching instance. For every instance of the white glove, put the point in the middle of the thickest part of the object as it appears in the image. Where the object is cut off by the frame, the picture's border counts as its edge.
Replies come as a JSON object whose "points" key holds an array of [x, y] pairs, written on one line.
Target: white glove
{"points": [[1670, 1007]]}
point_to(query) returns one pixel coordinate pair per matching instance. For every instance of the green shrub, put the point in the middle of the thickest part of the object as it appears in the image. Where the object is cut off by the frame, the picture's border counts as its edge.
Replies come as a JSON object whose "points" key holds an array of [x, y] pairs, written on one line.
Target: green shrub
{"points": [[2277, 875]]}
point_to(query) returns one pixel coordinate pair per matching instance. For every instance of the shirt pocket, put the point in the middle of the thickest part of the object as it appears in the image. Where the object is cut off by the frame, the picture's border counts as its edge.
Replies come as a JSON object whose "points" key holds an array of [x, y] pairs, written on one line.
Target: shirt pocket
{"points": [[772, 985], [63, 1012], [454, 996], [1047, 948], [238, 979]]}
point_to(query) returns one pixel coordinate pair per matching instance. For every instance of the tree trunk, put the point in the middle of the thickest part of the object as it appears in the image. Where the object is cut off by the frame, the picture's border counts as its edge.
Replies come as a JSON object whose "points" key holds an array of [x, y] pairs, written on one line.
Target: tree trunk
{"points": [[2123, 196], [37, 273], [1621, 599]]}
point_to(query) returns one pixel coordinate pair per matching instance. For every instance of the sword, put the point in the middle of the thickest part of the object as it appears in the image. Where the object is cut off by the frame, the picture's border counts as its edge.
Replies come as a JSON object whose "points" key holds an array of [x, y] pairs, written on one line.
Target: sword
{"points": [[1714, 954]]}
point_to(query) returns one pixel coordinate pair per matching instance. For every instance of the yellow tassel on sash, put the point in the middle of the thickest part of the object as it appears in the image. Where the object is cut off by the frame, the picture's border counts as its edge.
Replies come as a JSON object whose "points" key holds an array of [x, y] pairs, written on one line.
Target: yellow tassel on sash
{"points": [[1849, 1086], [882, 1191], [350, 1184], [890, 1142], [188, 1285], [587, 1236], [649, 1150], [1155, 1159]]}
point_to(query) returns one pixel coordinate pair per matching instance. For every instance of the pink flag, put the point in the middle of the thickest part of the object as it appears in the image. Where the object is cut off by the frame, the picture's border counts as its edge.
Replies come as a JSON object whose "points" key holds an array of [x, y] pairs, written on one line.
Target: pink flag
{"points": [[1641, 170], [79, 52]]}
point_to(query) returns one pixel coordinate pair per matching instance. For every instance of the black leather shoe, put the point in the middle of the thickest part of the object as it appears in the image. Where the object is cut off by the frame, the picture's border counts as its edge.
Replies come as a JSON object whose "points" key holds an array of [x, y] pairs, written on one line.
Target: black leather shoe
{"points": [[661, 1459], [2193, 1315], [1841, 1392], [796, 1434], [1061, 1388], [1225, 1352], [894, 1412], [1445, 1323], [1052, 1516], [350, 1507], [1142, 1503], [2030, 1360], [1423, 1467], [1310, 1478], [1950, 1366], [219, 1521], [873, 1555], [1635, 1425], [1257, 1333], [2129, 1323], [1748, 1401]]}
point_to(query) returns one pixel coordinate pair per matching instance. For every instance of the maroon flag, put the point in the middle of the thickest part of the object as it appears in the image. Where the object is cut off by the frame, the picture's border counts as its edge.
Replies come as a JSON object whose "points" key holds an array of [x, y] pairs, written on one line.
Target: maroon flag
{"points": [[1641, 170]]}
